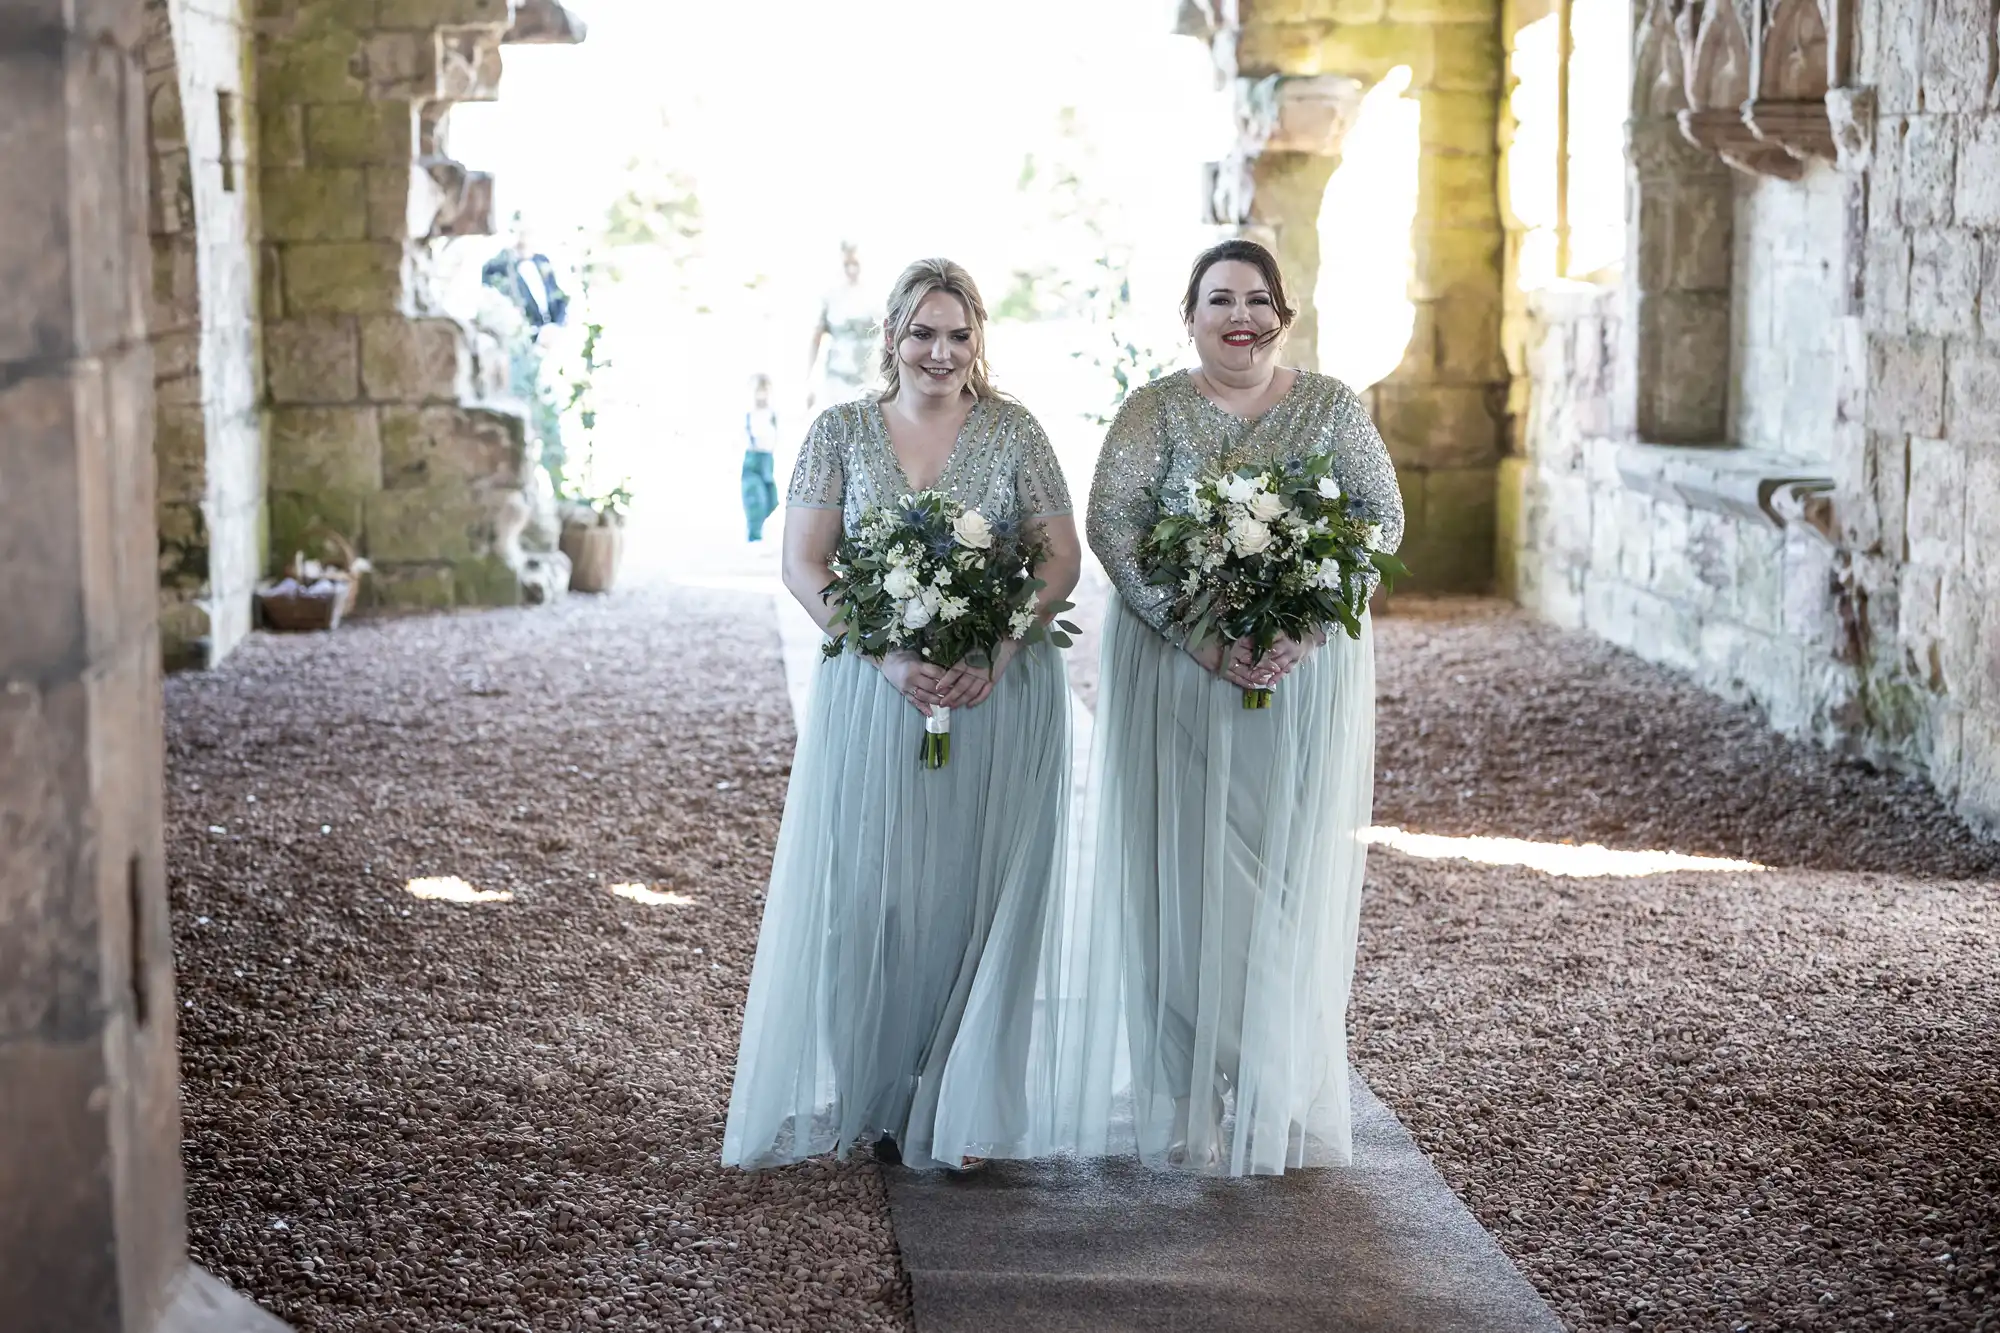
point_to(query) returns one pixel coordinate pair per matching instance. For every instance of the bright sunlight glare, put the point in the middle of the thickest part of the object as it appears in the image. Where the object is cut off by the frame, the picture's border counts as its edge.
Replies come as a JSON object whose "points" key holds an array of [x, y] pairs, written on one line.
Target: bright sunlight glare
{"points": [[639, 893], [1064, 175], [1589, 861], [452, 889], [1365, 218]]}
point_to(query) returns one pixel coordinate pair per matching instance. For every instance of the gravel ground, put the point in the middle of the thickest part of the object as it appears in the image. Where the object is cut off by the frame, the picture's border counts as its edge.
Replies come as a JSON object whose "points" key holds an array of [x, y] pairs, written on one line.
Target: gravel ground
{"points": [[418, 1115], [1683, 1102], [1692, 1101]]}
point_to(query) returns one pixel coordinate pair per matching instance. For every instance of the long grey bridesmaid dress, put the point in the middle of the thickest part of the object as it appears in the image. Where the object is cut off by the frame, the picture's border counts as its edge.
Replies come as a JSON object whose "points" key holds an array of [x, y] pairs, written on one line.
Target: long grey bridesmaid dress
{"points": [[896, 963], [1213, 924]]}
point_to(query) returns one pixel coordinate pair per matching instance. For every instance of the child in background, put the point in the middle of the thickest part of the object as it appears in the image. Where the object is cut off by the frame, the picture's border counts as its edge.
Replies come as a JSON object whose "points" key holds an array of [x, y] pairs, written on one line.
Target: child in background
{"points": [[760, 486]]}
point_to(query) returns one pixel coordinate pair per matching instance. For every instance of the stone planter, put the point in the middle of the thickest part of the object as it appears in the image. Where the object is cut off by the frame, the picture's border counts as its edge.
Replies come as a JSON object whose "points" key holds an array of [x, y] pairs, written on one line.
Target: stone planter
{"points": [[594, 552]]}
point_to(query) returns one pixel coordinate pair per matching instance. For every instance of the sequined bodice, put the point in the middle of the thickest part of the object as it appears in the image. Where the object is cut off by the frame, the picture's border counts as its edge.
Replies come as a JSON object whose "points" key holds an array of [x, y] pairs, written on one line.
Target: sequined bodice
{"points": [[1002, 464], [1167, 433]]}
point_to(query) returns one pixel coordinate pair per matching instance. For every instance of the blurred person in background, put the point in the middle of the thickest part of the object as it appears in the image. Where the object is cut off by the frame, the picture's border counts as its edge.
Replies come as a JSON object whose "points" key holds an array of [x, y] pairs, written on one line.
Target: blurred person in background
{"points": [[849, 321], [760, 484], [526, 277]]}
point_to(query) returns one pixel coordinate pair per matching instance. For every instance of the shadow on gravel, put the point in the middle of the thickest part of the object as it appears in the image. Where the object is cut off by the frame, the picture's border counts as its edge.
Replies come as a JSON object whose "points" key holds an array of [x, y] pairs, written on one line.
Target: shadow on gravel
{"points": [[1682, 1101], [1493, 724]]}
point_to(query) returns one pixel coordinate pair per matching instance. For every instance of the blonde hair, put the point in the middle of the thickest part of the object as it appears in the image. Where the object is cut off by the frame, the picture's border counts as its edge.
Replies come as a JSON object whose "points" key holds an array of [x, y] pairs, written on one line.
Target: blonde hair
{"points": [[917, 282]]}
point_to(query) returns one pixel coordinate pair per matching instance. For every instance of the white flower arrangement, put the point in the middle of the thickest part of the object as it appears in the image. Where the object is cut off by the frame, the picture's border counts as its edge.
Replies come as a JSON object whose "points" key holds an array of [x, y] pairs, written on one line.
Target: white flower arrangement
{"points": [[1256, 555], [935, 577]]}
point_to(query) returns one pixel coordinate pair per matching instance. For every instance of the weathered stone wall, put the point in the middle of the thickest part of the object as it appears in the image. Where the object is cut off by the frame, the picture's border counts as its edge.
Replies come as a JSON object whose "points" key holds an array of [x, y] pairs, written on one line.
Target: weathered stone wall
{"points": [[1443, 410], [1790, 302], [1705, 559], [203, 318], [377, 430], [1919, 497], [1844, 577]]}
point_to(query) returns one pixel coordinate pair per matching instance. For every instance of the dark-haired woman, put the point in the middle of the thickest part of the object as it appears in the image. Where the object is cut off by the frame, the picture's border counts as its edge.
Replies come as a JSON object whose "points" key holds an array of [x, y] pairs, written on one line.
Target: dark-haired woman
{"points": [[1224, 880]]}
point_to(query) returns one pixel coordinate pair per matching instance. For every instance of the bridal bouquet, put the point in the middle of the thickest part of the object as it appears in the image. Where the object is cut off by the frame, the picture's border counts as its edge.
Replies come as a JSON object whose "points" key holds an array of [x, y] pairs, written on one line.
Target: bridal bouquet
{"points": [[928, 575], [1258, 554]]}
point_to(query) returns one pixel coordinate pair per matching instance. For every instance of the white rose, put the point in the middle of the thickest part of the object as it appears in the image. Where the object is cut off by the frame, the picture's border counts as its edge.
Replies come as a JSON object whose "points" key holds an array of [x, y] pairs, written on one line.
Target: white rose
{"points": [[1374, 537], [915, 614], [1249, 537], [971, 529], [900, 582], [1329, 574], [1236, 489], [1265, 506], [931, 598], [1329, 489]]}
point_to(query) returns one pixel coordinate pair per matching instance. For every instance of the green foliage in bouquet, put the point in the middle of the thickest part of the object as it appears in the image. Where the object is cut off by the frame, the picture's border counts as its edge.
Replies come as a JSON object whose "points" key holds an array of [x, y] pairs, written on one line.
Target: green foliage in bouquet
{"points": [[1255, 555], [930, 576]]}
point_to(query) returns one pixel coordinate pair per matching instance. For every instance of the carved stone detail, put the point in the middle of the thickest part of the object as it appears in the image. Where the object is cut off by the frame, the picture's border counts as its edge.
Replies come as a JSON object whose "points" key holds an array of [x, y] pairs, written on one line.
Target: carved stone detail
{"points": [[1792, 53], [447, 199], [468, 64], [1850, 113], [1309, 115], [1756, 96], [544, 23]]}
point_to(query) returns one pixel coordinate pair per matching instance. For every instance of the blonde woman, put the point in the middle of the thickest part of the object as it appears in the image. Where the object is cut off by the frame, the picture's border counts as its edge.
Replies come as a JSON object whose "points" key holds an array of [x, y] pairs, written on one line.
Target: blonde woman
{"points": [[895, 968], [1224, 879]]}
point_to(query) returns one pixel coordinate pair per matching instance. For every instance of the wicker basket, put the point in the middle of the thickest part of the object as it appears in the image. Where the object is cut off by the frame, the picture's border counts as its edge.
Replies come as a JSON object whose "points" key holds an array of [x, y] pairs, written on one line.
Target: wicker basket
{"points": [[341, 555], [293, 607]]}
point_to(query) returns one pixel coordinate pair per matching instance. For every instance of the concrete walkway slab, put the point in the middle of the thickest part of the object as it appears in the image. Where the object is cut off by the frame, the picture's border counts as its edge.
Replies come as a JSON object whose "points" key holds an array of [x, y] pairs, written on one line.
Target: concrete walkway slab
{"points": [[1109, 1246]]}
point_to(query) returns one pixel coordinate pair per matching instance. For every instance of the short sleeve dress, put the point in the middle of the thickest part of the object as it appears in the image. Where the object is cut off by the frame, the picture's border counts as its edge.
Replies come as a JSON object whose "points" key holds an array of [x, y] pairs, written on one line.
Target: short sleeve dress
{"points": [[897, 959]]}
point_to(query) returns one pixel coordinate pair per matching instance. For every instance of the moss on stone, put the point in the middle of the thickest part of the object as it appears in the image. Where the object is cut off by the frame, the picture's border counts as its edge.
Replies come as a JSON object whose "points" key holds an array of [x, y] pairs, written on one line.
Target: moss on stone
{"points": [[342, 277], [315, 204], [412, 587], [486, 581], [360, 134], [291, 514]]}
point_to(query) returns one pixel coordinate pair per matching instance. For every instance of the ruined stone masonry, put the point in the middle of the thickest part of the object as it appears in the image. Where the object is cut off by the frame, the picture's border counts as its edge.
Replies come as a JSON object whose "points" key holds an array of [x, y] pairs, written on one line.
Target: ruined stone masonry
{"points": [[1772, 458], [299, 175], [1299, 68]]}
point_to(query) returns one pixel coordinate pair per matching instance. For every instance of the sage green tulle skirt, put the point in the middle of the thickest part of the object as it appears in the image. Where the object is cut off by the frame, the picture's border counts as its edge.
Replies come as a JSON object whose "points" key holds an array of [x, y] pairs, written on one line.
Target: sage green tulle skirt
{"points": [[896, 967], [1193, 999]]}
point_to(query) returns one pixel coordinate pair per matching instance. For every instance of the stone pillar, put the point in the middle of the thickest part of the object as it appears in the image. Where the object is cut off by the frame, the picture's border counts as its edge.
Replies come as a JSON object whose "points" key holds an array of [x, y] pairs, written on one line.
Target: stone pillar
{"points": [[1300, 68], [378, 427], [203, 318], [1289, 132], [92, 1229]]}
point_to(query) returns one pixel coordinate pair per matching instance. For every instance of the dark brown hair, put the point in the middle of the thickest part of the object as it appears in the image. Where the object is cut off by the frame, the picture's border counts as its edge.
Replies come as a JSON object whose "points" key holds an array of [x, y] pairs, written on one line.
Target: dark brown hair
{"points": [[1244, 252]]}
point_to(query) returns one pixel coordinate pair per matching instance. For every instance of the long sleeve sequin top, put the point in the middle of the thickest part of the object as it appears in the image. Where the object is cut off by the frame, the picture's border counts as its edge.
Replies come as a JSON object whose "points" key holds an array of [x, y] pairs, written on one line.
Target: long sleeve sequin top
{"points": [[1167, 433], [1002, 464]]}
